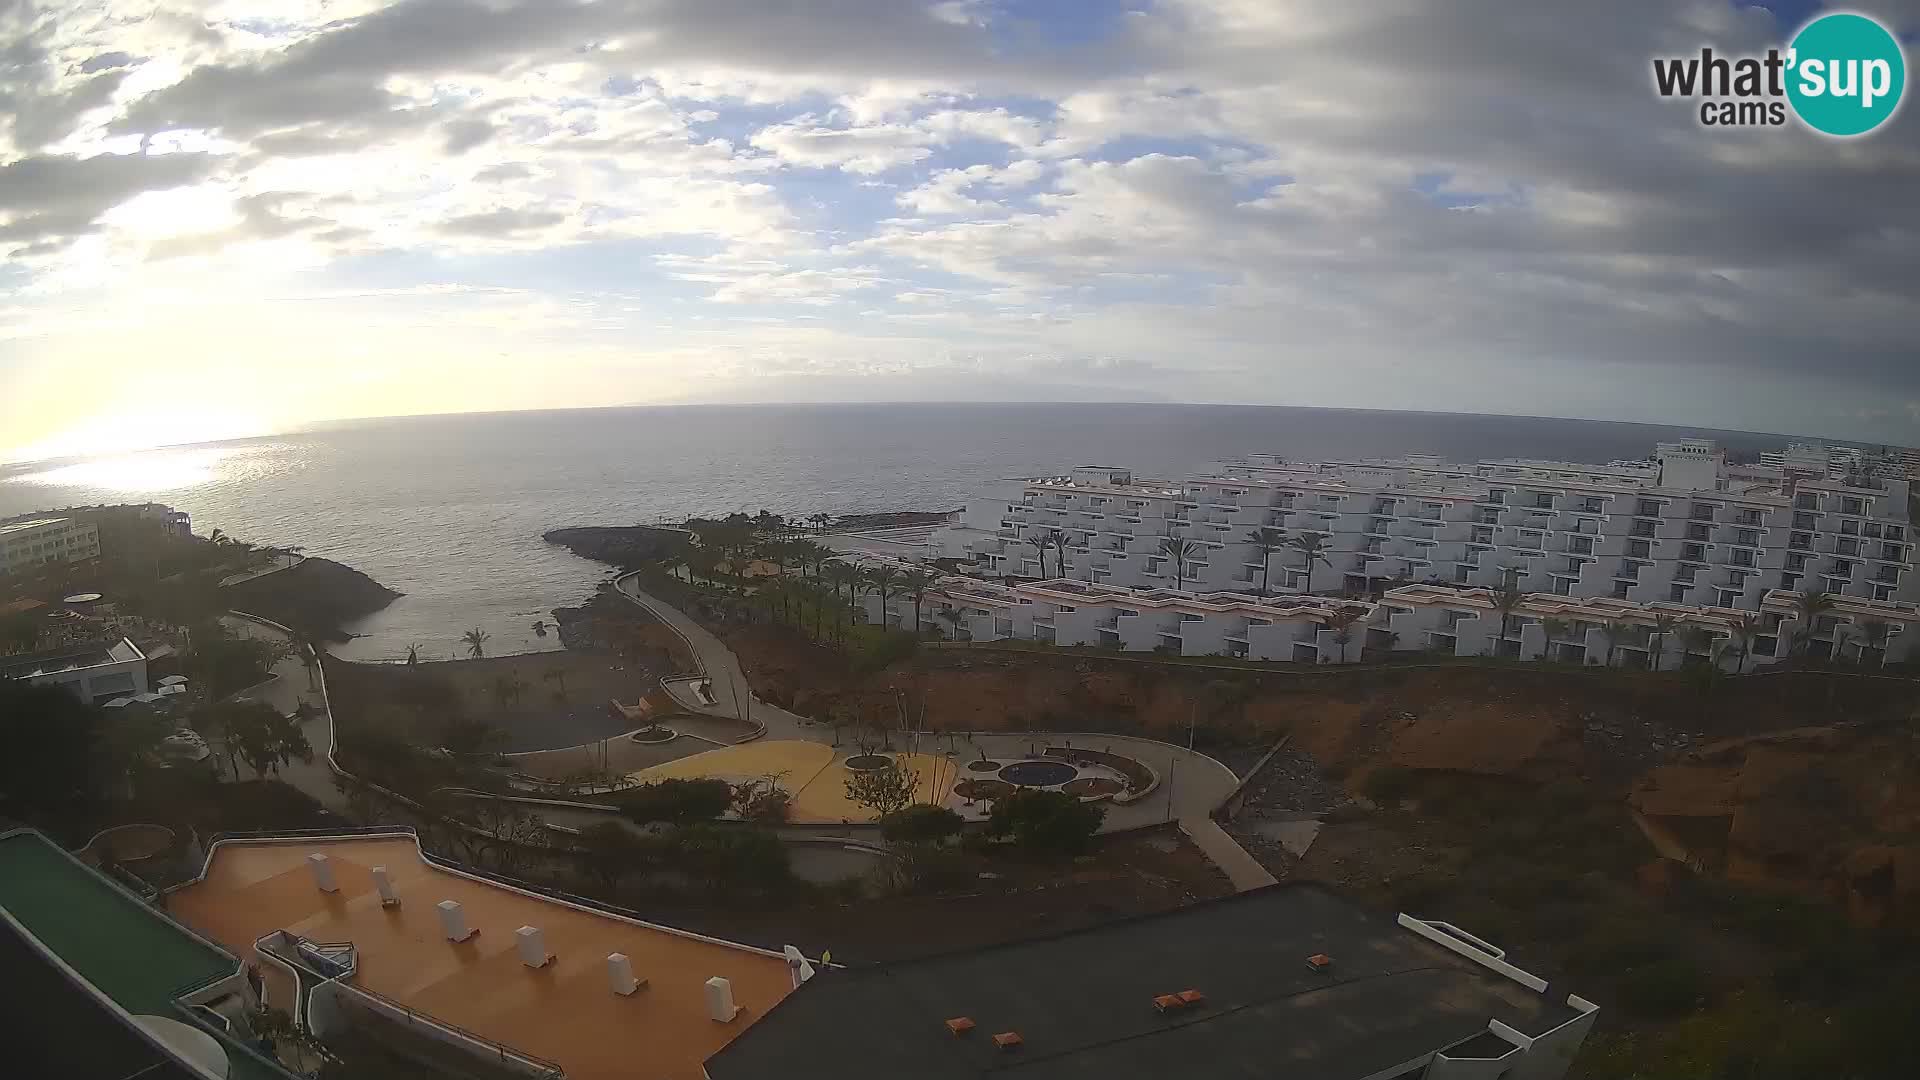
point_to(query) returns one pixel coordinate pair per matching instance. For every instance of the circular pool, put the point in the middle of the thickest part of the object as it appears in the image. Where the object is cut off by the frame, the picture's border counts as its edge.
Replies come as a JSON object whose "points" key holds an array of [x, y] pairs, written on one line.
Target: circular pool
{"points": [[1038, 773]]}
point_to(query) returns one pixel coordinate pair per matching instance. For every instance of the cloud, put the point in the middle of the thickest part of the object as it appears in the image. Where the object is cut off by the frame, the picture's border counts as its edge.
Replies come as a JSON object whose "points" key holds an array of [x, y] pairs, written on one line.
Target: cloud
{"points": [[1472, 205]]}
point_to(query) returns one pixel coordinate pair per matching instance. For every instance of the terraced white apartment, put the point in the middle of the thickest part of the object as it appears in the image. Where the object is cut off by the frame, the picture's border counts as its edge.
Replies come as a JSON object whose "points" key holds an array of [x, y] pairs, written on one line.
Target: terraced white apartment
{"points": [[1685, 527]]}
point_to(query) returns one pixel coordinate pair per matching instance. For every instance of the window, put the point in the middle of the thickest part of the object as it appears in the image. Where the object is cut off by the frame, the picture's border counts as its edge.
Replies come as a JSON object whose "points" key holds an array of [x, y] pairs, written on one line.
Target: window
{"points": [[1648, 508], [1643, 528], [1701, 512], [1693, 552], [1582, 545], [1696, 532], [1796, 562], [1640, 549], [1852, 506], [1804, 521], [1620, 590], [1677, 594], [1806, 501], [1729, 598], [1850, 528], [1801, 541]]}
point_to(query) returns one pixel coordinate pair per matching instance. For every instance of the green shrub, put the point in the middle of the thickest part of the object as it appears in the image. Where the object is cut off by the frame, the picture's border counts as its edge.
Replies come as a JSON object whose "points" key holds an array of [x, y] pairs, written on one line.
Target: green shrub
{"points": [[921, 824], [676, 801], [1047, 822]]}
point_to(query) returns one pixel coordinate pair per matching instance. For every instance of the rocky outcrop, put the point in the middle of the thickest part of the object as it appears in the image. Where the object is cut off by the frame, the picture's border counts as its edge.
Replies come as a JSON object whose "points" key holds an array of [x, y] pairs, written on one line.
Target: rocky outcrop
{"points": [[624, 546], [317, 598]]}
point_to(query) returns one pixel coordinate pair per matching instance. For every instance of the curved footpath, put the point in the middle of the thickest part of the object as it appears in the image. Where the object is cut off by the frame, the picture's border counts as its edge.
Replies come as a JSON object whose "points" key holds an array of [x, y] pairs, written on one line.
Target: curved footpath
{"points": [[1192, 784]]}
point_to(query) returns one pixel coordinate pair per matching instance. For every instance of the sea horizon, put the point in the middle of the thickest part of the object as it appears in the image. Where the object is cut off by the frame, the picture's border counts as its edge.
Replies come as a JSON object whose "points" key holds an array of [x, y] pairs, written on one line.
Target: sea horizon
{"points": [[449, 508]]}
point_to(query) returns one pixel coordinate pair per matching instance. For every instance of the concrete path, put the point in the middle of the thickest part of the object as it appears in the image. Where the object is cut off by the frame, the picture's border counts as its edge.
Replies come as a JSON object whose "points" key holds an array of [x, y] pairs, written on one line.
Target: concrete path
{"points": [[1223, 852], [1191, 784], [295, 685]]}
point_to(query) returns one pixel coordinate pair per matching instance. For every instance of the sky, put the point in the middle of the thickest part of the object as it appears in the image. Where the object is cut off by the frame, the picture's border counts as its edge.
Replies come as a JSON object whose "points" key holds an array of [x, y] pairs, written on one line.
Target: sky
{"points": [[225, 217]]}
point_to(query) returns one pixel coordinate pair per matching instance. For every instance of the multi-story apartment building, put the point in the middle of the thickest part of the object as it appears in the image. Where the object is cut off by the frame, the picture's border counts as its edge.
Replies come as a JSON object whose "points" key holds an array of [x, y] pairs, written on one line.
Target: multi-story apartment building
{"points": [[34, 542], [1683, 528]]}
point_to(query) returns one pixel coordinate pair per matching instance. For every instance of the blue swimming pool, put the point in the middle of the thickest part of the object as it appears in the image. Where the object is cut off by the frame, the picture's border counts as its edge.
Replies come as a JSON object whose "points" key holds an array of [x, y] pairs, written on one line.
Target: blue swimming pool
{"points": [[1038, 773]]}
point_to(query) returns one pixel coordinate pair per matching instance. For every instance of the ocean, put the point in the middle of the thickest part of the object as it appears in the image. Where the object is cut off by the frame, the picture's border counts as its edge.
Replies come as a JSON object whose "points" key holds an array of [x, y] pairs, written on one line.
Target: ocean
{"points": [[449, 509]]}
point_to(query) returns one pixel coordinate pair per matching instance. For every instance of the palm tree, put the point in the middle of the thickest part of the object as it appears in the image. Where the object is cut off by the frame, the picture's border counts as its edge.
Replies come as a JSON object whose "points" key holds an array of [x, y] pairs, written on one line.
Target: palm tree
{"points": [[1663, 624], [881, 579], [917, 583], [1341, 623], [1039, 542], [1873, 635], [507, 689], [1059, 541], [1180, 549], [413, 656], [842, 574], [1744, 630], [1613, 631], [1266, 540], [955, 619], [1807, 611], [1314, 546], [1695, 638], [1507, 599], [1560, 629], [820, 521], [476, 642]]}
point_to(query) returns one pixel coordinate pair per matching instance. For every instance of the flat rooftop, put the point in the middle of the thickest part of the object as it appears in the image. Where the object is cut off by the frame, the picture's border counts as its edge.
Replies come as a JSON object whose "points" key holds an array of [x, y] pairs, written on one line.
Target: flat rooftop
{"points": [[72, 658], [1082, 1002], [88, 1039], [563, 1012], [30, 523]]}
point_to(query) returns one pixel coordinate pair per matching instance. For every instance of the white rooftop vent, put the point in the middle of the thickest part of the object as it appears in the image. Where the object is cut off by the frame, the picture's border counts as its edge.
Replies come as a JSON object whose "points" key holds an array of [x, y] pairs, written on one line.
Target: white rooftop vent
{"points": [[453, 921], [620, 975], [389, 896], [533, 947], [798, 966], [720, 1004], [322, 872]]}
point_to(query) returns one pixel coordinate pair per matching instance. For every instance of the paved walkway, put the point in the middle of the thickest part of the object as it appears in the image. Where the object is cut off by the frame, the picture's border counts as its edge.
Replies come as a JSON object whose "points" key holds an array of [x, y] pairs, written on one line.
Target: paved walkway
{"points": [[1191, 784], [295, 685], [1230, 857]]}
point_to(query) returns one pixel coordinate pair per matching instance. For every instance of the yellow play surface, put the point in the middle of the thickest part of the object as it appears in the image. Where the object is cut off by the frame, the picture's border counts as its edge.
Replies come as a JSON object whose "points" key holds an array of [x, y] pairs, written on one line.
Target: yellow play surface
{"points": [[812, 771]]}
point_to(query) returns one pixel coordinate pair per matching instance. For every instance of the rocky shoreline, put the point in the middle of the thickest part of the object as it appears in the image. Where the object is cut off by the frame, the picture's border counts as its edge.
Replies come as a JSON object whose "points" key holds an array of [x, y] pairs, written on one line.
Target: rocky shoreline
{"points": [[316, 597]]}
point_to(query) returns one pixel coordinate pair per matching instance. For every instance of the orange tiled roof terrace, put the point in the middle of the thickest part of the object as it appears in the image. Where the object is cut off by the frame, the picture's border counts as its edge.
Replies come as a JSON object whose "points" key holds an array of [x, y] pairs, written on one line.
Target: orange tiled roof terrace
{"points": [[564, 1012]]}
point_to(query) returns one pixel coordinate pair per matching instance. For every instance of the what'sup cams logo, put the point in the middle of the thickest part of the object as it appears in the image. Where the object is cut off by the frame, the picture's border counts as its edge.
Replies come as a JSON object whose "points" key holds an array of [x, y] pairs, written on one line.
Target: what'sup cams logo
{"points": [[1843, 74]]}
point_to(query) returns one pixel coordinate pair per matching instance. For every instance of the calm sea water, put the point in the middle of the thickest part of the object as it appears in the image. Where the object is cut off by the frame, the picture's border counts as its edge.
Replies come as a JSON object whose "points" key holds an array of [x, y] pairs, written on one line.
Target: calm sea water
{"points": [[449, 509]]}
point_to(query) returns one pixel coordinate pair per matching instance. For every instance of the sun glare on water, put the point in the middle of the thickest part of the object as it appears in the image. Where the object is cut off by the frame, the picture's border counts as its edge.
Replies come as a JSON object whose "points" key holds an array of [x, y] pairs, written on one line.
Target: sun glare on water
{"points": [[153, 470]]}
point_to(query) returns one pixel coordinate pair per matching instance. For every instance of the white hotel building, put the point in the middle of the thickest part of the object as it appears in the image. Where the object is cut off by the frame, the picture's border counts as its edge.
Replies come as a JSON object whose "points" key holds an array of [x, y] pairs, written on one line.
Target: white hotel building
{"points": [[1685, 535]]}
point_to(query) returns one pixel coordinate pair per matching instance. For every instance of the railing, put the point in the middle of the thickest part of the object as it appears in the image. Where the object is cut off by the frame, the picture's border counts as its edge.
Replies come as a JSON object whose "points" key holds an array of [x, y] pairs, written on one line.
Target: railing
{"points": [[452, 1033]]}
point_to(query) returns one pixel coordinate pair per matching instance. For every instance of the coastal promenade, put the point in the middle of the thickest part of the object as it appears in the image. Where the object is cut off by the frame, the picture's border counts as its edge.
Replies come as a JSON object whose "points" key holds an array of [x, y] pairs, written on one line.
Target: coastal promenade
{"points": [[287, 691]]}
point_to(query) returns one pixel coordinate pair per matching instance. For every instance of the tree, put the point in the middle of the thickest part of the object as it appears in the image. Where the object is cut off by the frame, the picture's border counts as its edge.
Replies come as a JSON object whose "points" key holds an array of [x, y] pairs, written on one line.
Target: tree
{"points": [[610, 851], [558, 677], [1745, 629], [882, 579], [1039, 542], [883, 790], [917, 583], [922, 824], [1556, 629], [956, 620], [1046, 822], [1314, 546], [56, 750], [254, 732], [507, 690], [1058, 541], [222, 663], [1507, 599], [846, 575], [1808, 609], [413, 656], [1873, 637], [676, 801], [1695, 639], [1663, 624], [1341, 623], [19, 631], [763, 799], [1613, 631], [476, 642], [1180, 550], [1266, 540]]}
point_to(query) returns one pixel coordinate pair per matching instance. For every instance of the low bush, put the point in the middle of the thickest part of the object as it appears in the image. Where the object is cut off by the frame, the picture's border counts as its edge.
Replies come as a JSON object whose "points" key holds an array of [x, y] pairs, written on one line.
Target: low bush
{"points": [[1663, 989]]}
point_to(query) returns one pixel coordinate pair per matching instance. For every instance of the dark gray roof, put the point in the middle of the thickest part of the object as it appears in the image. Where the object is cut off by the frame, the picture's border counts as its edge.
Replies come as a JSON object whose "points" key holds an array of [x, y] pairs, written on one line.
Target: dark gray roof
{"points": [[1083, 1002], [53, 1028]]}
